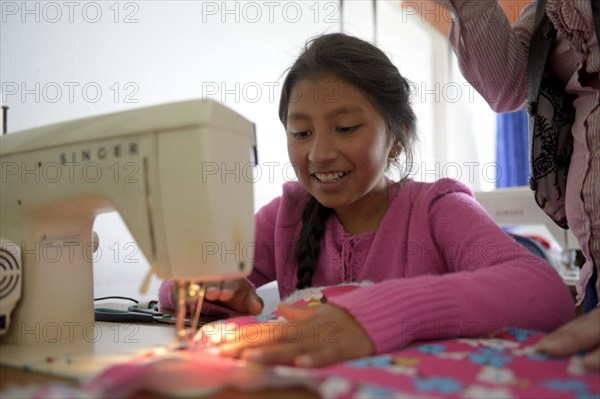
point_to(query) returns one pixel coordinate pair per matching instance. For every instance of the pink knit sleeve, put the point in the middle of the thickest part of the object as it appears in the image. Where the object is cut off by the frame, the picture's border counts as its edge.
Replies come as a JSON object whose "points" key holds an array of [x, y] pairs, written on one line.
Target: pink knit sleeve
{"points": [[165, 299], [492, 55], [491, 283]]}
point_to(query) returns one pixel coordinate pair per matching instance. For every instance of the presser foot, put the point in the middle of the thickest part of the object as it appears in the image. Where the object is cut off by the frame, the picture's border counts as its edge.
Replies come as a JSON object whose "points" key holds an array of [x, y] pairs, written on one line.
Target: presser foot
{"points": [[192, 293]]}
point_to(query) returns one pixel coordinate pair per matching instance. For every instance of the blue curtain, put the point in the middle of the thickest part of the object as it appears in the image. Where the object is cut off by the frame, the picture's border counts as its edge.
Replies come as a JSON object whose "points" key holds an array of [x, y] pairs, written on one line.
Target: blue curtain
{"points": [[512, 151]]}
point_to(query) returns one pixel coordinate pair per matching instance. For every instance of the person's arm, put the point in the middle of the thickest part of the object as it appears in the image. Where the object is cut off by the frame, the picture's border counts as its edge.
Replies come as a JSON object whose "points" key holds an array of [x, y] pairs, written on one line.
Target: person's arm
{"points": [[492, 55], [492, 283]]}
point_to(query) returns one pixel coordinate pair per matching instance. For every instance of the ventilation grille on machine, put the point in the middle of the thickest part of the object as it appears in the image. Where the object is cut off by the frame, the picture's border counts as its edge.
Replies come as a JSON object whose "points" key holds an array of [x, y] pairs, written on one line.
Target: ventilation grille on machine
{"points": [[10, 281], [10, 272]]}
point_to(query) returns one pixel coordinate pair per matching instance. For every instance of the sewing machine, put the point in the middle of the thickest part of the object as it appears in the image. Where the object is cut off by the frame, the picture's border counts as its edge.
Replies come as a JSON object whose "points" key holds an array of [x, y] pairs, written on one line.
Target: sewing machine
{"points": [[515, 209], [176, 173]]}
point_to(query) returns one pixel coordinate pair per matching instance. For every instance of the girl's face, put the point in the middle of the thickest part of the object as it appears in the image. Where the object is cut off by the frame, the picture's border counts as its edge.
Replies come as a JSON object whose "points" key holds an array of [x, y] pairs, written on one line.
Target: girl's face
{"points": [[338, 143]]}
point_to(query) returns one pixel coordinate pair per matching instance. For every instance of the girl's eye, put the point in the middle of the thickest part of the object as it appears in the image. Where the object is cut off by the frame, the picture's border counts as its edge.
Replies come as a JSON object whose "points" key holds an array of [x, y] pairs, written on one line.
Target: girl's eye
{"points": [[347, 129], [300, 135]]}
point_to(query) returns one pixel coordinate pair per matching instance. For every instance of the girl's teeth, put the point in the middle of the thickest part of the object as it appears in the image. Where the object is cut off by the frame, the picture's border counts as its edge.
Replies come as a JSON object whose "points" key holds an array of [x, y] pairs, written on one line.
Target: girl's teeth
{"points": [[329, 177]]}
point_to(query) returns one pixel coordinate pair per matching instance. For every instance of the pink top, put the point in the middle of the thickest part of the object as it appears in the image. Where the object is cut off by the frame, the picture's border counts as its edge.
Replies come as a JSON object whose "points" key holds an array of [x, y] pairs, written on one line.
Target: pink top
{"points": [[493, 57], [442, 268]]}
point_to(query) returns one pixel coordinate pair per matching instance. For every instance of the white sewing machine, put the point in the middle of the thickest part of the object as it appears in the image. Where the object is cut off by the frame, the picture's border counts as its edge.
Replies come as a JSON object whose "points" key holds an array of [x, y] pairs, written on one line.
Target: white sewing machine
{"points": [[174, 172], [516, 209]]}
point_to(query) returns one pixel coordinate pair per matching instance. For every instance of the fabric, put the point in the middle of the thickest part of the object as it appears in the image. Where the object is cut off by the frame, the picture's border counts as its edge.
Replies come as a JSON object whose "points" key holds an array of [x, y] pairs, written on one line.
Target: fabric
{"points": [[493, 58], [551, 115], [500, 365], [441, 267]]}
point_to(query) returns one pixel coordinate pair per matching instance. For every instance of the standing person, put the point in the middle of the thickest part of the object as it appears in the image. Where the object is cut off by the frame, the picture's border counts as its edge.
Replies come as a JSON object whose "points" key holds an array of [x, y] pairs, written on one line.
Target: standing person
{"points": [[439, 266], [505, 64]]}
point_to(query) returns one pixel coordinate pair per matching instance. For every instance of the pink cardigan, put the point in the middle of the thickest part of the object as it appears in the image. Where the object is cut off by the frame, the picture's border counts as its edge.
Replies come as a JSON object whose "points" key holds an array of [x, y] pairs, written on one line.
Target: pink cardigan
{"points": [[442, 268]]}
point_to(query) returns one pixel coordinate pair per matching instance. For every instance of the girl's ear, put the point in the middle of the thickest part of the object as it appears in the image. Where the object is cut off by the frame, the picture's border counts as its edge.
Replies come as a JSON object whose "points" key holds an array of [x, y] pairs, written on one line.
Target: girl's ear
{"points": [[396, 149]]}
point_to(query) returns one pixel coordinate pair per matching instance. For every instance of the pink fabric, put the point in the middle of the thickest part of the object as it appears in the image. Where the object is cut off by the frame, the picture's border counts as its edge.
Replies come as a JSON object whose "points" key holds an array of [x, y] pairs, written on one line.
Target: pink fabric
{"points": [[493, 57]]}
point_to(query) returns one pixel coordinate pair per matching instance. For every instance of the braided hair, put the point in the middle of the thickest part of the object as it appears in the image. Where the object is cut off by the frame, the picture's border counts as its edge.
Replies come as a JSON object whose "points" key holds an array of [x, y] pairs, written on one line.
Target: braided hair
{"points": [[366, 67]]}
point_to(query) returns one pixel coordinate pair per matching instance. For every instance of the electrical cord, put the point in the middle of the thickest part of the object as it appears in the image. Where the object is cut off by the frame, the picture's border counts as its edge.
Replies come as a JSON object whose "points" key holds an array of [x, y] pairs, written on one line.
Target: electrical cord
{"points": [[116, 297]]}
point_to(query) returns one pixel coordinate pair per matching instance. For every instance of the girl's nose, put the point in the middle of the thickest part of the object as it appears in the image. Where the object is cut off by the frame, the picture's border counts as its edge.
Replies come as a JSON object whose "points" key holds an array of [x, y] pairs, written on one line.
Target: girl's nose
{"points": [[323, 149]]}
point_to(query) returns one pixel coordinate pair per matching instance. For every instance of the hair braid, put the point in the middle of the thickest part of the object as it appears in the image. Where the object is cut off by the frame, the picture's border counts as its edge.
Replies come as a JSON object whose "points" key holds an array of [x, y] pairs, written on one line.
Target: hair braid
{"points": [[314, 216]]}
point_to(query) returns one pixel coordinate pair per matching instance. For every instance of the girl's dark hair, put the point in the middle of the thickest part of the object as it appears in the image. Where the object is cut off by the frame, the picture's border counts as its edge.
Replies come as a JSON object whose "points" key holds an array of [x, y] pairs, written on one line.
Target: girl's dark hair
{"points": [[366, 67]]}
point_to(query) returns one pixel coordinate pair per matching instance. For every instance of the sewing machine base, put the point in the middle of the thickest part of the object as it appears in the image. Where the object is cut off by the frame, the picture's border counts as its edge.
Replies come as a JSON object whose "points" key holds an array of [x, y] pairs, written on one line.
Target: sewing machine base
{"points": [[87, 351]]}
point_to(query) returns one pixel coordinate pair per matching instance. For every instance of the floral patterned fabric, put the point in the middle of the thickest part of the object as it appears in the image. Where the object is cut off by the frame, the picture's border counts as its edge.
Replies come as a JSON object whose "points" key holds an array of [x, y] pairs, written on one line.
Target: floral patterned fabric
{"points": [[500, 366]]}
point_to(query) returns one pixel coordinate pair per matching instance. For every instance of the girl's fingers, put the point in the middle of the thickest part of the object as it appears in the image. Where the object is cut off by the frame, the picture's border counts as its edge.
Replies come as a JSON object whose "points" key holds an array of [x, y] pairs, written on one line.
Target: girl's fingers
{"points": [[326, 355], [229, 288], [212, 291], [241, 297], [295, 312], [253, 303], [223, 291], [303, 353], [274, 354]]}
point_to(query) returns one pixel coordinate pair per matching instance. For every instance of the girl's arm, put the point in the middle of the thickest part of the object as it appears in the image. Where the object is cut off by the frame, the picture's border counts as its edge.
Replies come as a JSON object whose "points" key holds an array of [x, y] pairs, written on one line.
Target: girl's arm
{"points": [[492, 282]]}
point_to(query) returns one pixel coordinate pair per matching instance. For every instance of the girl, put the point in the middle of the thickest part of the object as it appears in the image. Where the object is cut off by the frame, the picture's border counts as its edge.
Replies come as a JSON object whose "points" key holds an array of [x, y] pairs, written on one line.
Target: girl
{"points": [[439, 266]]}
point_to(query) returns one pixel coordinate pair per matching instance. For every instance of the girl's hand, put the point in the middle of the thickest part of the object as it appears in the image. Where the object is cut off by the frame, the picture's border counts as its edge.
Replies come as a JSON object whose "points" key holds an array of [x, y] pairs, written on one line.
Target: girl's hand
{"points": [[311, 337], [237, 295]]}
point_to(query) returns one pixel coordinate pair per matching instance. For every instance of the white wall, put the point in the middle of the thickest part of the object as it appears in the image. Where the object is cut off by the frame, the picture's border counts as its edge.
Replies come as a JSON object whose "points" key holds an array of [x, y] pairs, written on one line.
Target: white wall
{"points": [[456, 126], [66, 60]]}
